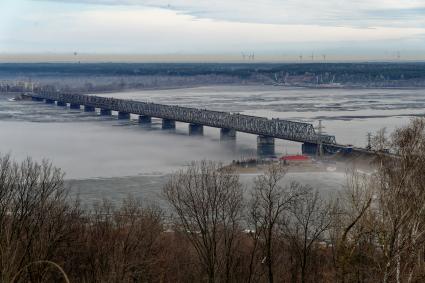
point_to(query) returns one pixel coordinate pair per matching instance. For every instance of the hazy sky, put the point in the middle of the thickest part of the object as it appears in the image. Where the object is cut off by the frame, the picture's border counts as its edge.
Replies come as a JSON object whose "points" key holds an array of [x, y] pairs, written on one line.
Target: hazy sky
{"points": [[356, 28]]}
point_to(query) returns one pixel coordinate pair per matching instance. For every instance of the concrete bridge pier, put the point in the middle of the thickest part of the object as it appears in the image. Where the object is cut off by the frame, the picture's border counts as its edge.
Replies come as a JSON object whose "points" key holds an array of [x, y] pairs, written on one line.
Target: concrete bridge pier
{"points": [[61, 103], [196, 130], [309, 148], [89, 108], [168, 124], [227, 134], [33, 98], [265, 146], [50, 101], [145, 120], [74, 106], [105, 112], [123, 115]]}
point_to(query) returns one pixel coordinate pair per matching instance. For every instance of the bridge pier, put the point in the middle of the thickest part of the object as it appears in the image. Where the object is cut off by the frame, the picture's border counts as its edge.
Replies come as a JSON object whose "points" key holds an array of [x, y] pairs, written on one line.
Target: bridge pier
{"points": [[145, 120], [61, 103], [33, 98], [168, 124], [265, 146], [123, 115], [309, 148], [50, 101], [74, 106], [227, 134], [196, 130], [89, 108], [105, 112], [313, 149]]}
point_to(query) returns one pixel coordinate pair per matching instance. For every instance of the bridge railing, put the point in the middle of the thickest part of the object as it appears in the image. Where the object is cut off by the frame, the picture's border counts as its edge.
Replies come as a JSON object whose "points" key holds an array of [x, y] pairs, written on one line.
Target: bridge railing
{"points": [[277, 128]]}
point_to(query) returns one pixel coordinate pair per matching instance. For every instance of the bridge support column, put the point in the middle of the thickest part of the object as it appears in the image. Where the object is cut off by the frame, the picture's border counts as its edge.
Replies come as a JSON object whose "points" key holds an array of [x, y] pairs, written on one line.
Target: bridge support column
{"points": [[265, 146], [123, 115], [74, 106], [196, 130], [145, 120], [33, 98], [61, 103], [168, 124], [50, 101], [227, 134], [105, 112], [309, 148], [89, 108]]}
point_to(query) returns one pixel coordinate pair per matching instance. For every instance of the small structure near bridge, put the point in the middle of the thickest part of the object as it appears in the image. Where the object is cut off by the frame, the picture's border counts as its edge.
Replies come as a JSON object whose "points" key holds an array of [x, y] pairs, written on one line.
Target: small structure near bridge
{"points": [[295, 159]]}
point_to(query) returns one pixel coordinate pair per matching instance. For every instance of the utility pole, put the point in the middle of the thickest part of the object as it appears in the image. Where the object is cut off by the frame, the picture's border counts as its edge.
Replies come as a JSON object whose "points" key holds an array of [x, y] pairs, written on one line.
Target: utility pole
{"points": [[369, 141]]}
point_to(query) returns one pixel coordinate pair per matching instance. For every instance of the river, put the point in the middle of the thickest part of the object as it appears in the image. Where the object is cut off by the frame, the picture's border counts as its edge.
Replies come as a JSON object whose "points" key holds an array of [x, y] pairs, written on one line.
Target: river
{"points": [[106, 157]]}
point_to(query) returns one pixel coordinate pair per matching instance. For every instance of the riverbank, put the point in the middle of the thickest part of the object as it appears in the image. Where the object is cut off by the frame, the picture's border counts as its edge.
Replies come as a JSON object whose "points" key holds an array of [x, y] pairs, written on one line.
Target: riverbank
{"points": [[309, 164]]}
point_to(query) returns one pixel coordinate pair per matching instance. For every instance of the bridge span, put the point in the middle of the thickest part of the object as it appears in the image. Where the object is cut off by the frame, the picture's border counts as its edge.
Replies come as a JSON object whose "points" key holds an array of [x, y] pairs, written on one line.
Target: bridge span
{"points": [[266, 129]]}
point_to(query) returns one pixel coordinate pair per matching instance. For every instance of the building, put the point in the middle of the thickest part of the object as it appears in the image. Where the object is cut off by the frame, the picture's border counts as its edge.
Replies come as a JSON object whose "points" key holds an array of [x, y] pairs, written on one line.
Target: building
{"points": [[295, 159]]}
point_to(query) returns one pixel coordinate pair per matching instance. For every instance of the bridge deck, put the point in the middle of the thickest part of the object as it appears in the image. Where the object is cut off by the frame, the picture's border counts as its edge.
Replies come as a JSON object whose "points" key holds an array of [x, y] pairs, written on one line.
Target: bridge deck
{"points": [[277, 128]]}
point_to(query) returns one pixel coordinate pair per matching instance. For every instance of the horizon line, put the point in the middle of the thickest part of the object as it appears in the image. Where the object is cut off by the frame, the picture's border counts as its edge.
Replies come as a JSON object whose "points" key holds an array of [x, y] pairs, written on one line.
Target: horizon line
{"points": [[76, 57]]}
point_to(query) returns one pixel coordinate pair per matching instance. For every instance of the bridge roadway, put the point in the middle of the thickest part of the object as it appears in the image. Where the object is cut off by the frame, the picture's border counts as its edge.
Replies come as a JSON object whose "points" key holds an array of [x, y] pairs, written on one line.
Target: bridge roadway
{"points": [[229, 123]]}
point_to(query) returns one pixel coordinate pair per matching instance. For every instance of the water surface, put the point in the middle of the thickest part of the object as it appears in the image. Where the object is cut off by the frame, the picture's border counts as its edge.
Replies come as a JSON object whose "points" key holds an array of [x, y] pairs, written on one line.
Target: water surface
{"points": [[105, 157]]}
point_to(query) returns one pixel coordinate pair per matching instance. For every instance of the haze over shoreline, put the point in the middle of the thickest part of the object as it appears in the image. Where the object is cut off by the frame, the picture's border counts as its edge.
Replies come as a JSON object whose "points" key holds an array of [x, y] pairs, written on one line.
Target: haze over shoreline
{"points": [[193, 58]]}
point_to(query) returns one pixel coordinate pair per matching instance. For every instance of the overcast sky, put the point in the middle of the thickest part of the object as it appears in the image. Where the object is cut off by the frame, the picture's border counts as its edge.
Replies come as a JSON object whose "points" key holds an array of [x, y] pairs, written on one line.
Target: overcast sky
{"points": [[350, 28]]}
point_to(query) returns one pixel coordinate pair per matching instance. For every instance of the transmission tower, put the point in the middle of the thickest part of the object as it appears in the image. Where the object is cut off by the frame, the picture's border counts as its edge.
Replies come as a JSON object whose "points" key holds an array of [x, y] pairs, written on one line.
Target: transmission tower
{"points": [[319, 139]]}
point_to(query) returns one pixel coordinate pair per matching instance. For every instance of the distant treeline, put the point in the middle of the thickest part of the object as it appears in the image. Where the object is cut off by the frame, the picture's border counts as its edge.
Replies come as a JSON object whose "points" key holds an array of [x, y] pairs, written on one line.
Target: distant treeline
{"points": [[148, 75], [392, 71]]}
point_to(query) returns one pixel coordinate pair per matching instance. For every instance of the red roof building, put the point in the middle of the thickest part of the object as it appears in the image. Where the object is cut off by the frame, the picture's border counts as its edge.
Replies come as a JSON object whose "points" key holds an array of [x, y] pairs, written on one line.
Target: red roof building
{"points": [[296, 158]]}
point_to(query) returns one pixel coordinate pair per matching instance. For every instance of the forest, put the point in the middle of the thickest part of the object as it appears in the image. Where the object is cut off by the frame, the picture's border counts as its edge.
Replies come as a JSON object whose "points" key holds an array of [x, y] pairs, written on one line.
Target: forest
{"points": [[118, 76]]}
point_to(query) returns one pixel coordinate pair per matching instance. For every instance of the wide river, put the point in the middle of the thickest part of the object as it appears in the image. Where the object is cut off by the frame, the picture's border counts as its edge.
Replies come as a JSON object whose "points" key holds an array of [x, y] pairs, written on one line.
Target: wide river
{"points": [[105, 157]]}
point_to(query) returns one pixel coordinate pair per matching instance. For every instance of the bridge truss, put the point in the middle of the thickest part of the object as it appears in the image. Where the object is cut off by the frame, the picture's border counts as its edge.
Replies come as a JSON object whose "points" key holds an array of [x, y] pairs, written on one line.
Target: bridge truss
{"points": [[277, 128]]}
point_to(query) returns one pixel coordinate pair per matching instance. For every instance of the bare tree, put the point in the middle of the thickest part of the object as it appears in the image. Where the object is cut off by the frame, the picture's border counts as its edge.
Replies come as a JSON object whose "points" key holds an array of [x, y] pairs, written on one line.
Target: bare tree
{"points": [[350, 228], [121, 243], [380, 141], [34, 218], [269, 200], [385, 216], [207, 200], [400, 198], [308, 220]]}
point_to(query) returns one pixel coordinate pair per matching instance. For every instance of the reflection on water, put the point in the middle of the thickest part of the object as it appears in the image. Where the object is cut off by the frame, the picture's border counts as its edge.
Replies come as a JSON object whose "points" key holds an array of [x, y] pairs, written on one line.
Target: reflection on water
{"points": [[89, 146]]}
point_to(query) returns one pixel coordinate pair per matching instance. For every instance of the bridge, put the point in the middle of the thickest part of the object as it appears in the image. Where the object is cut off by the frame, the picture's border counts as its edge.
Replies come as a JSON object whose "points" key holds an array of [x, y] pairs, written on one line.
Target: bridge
{"points": [[267, 130]]}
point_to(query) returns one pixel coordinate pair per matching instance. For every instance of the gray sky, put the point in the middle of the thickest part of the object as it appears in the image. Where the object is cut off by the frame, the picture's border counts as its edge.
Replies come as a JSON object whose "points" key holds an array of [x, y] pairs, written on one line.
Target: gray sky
{"points": [[283, 29]]}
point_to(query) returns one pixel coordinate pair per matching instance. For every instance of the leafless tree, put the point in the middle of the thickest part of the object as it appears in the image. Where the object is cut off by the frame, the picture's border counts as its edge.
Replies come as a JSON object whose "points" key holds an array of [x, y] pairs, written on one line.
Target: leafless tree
{"points": [[380, 141], [269, 200], [120, 243], [384, 217], [304, 227], [207, 200], [349, 228], [400, 198], [35, 217]]}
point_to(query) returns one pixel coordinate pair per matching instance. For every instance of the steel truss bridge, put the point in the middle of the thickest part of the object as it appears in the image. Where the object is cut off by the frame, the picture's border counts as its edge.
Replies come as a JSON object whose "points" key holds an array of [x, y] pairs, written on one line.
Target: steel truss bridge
{"points": [[263, 127]]}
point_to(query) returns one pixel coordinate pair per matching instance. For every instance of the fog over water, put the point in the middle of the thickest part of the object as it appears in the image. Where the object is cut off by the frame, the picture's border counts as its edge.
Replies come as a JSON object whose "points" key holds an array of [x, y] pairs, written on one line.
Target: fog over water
{"points": [[105, 157]]}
